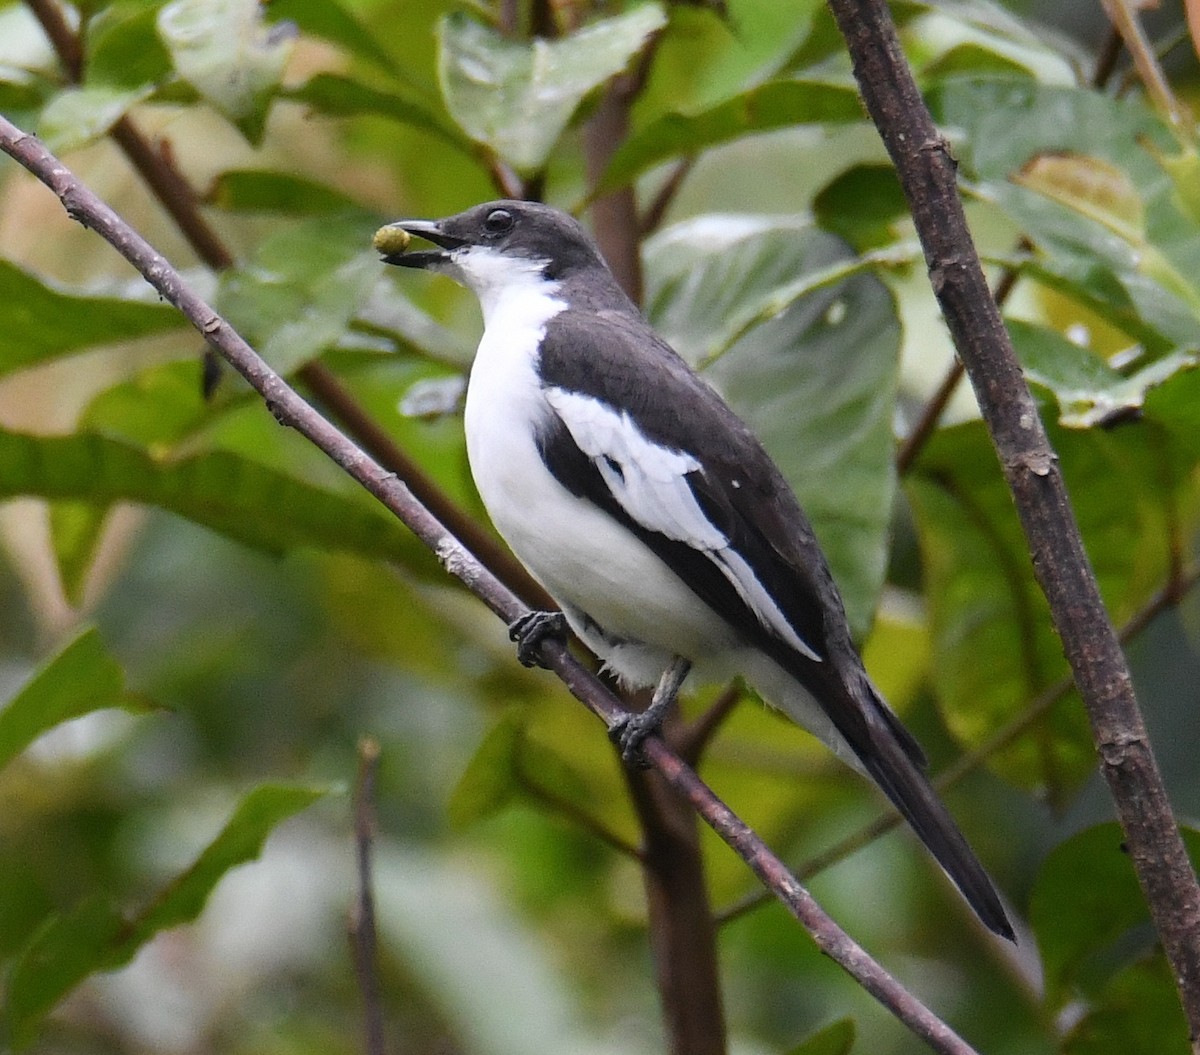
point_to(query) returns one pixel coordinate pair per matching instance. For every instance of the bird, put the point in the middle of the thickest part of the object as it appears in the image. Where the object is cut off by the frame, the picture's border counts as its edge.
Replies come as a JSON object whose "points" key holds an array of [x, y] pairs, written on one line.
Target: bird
{"points": [[651, 513]]}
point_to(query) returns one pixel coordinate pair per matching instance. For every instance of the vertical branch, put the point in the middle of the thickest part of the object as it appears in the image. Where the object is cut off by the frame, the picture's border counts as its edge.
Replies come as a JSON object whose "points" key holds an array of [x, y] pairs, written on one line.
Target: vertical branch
{"points": [[361, 925], [683, 933], [1030, 466]]}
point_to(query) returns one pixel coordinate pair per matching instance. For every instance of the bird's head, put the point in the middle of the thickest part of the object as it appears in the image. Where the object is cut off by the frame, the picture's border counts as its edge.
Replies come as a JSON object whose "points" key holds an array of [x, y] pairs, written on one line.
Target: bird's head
{"points": [[494, 246]]}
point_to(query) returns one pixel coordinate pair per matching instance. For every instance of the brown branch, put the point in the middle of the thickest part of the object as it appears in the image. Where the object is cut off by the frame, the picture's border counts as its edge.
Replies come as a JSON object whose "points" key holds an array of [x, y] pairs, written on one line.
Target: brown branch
{"points": [[291, 410], [362, 931], [683, 932], [927, 174]]}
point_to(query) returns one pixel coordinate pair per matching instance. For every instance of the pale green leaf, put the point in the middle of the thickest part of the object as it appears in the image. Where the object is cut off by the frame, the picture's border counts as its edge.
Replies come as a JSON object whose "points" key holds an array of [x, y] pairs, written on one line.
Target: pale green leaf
{"points": [[43, 321], [518, 97], [77, 116], [225, 50], [82, 677], [297, 292], [775, 104]]}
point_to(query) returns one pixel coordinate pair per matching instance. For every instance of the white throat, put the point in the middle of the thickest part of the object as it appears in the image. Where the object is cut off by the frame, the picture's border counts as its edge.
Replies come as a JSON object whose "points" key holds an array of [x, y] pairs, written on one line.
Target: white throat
{"points": [[501, 281]]}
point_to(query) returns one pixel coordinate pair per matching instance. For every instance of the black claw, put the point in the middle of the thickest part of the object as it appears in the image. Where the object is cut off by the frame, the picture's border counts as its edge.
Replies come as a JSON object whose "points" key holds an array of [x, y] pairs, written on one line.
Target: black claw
{"points": [[531, 629], [630, 732]]}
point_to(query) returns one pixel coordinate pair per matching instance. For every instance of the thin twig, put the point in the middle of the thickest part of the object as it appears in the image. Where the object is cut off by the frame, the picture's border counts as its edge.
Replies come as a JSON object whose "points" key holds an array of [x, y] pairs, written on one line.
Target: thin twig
{"points": [[291, 410], [363, 934], [1126, 22], [1030, 466]]}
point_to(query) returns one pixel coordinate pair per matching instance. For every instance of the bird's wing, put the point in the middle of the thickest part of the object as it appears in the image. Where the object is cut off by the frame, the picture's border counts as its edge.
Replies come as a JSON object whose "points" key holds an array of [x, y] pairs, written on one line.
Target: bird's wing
{"points": [[723, 519]]}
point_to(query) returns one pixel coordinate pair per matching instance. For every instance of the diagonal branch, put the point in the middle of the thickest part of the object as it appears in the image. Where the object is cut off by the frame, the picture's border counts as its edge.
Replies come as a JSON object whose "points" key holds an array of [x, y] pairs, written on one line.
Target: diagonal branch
{"points": [[927, 174], [291, 410]]}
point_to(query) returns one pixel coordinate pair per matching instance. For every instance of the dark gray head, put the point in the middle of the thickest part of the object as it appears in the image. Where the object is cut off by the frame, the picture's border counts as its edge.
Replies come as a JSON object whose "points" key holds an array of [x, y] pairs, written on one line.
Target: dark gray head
{"points": [[501, 244]]}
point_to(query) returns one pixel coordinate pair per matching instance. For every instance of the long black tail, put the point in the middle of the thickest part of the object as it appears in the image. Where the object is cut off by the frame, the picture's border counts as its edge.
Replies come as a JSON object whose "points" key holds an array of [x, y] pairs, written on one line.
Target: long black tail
{"points": [[897, 773]]}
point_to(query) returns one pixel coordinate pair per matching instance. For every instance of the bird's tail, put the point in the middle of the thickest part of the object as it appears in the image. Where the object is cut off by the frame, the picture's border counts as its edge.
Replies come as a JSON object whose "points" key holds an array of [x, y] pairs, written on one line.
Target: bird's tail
{"points": [[899, 775]]}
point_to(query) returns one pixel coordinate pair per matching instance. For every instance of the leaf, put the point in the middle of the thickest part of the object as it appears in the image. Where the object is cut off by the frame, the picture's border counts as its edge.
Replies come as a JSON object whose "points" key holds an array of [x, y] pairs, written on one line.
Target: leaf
{"points": [[224, 50], [262, 190], [1137, 1013], [338, 96], [78, 116], [298, 291], [43, 322], [76, 529], [776, 104], [1097, 154], [816, 383], [862, 205], [1085, 897], [332, 22], [95, 936], [122, 46], [1089, 392], [219, 490], [994, 648], [835, 1039], [82, 677], [489, 781], [518, 98]]}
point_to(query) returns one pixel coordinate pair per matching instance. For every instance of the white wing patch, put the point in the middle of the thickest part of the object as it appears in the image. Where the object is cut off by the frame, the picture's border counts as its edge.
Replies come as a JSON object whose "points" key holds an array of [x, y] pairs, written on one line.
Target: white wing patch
{"points": [[650, 483]]}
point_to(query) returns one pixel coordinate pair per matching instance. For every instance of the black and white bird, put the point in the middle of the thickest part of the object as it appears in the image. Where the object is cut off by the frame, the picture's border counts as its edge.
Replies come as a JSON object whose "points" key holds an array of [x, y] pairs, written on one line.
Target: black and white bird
{"points": [[649, 510]]}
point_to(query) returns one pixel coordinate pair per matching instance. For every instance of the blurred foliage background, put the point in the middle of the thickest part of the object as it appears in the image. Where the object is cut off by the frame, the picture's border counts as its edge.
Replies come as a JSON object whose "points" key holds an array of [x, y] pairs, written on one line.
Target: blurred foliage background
{"points": [[199, 618]]}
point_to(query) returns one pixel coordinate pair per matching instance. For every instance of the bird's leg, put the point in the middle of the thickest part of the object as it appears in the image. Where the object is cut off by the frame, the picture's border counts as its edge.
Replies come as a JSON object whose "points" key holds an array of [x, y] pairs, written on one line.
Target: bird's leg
{"points": [[531, 629], [630, 731]]}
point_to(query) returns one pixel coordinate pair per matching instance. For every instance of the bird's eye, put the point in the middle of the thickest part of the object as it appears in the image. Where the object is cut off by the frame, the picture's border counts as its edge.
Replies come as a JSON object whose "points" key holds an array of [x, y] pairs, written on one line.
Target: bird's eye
{"points": [[498, 221]]}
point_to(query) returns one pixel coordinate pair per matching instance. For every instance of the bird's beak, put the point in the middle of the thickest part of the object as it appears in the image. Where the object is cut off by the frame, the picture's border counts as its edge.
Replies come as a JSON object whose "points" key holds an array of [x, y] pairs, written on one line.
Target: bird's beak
{"points": [[392, 240]]}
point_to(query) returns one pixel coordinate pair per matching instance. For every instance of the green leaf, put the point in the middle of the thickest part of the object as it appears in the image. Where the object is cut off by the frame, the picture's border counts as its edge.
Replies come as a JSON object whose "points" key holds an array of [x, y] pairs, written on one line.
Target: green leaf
{"points": [[122, 45], [42, 322], [1089, 392], [517, 98], [78, 116], [96, 937], [76, 529], [994, 646], [835, 1039], [263, 190], [816, 383], [298, 291], [489, 781], [1137, 1013], [61, 954], [1085, 897], [332, 22], [224, 50], [338, 96], [219, 490], [79, 679], [776, 104], [862, 205]]}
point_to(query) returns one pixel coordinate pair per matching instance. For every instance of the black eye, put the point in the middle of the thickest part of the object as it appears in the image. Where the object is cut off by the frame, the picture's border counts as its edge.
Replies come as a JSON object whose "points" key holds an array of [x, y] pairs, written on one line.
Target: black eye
{"points": [[498, 221]]}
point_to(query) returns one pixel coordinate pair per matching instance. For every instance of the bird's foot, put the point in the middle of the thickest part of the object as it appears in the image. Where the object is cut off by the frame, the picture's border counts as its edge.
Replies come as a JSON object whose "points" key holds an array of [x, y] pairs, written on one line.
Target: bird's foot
{"points": [[630, 731], [531, 629]]}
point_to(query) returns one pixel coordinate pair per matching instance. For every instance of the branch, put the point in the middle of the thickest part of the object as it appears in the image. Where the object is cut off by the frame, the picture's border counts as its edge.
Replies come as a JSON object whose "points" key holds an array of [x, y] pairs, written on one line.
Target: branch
{"points": [[291, 410], [363, 942], [927, 173]]}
